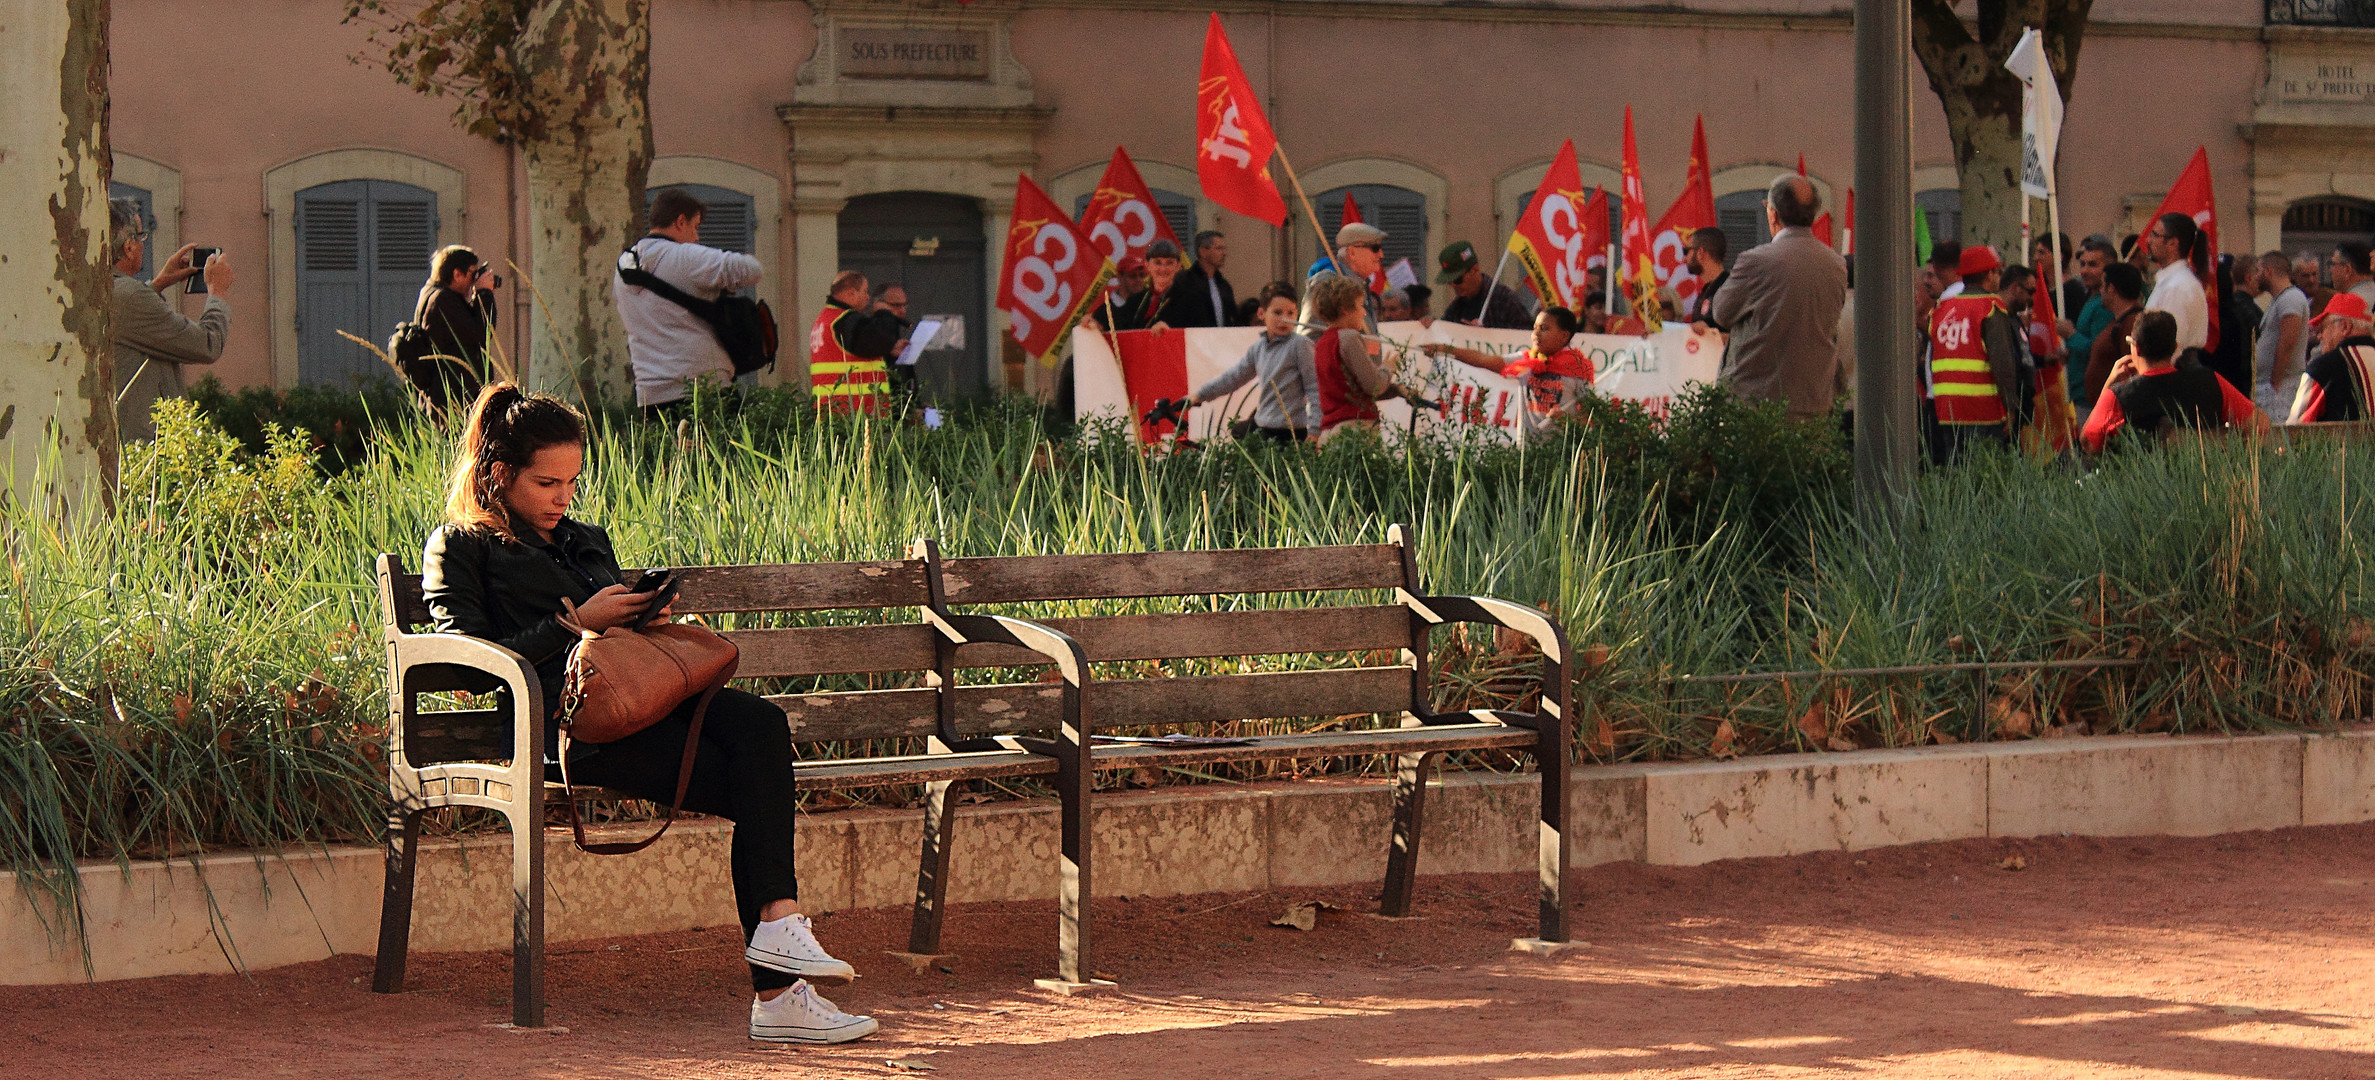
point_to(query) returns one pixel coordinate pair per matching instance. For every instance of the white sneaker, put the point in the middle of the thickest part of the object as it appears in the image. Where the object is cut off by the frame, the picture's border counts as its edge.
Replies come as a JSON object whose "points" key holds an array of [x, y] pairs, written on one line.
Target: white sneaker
{"points": [[789, 945], [798, 1015]]}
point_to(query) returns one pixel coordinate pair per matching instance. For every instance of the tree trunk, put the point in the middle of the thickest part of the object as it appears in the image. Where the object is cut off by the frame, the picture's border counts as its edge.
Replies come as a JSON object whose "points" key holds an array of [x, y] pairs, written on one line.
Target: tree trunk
{"points": [[1983, 100], [587, 68], [57, 384]]}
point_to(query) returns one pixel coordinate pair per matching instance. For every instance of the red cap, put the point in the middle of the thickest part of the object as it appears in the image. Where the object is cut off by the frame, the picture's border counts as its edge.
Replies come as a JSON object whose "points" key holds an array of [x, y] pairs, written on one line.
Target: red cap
{"points": [[1978, 260], [2347, 305], [1131, 262]]}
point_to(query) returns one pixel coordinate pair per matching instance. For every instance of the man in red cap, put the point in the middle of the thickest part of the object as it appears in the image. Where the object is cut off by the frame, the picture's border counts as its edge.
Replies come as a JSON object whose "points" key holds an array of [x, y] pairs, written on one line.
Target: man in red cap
{"points": [[2339, 377], [1974, 371]]}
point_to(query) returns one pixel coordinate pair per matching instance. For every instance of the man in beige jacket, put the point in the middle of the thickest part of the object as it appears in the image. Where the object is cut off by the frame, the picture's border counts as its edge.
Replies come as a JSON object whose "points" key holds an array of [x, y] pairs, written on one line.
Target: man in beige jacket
{"points": [[1781, 304], [153, 339]]}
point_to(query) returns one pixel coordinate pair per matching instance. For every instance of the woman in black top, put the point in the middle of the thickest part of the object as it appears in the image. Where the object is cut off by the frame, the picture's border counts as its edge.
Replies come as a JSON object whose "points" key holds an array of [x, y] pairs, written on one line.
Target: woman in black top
{"points": [[457, 308], [507, 565]]}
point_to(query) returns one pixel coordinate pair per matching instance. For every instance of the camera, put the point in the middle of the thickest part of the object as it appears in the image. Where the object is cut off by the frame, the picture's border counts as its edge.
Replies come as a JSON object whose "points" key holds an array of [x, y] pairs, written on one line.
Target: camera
{"points": [[198, 257], [488, 278]]}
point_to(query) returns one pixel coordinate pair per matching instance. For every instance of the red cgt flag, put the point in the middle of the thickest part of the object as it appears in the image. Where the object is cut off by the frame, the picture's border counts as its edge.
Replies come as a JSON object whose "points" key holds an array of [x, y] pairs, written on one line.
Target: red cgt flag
{"points": [[1053, 273], [1638, 276], [1121, 216], [1560, 232], [2191, 196], [1233, 138], [1822, 222], [1693, 210]]}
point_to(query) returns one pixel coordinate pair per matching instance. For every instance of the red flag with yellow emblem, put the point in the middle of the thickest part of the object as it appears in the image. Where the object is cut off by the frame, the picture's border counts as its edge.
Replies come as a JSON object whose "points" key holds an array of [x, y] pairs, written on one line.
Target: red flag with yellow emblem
{"points": [[1053, 273], [1233, 138]]}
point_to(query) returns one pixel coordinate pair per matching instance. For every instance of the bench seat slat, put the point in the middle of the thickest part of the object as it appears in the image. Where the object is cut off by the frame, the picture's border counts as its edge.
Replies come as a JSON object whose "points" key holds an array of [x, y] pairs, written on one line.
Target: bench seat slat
{"points": [[919, 769], [1321, 744], [799, 587], [1016, 579], [1012, 707]]}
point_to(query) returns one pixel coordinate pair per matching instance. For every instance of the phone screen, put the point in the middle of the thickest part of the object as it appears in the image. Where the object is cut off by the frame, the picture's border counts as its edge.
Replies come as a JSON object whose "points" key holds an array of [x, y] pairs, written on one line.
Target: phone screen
{"points": [[653, 579], [198, 257]]}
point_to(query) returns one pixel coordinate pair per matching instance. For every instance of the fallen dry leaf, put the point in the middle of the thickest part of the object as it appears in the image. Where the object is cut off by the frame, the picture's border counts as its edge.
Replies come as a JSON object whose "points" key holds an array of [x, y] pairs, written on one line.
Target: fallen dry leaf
{"points": [[911, 1065], [2013, 862], [1841, 743], [1722, 745], [1816, 724], [1303, 915]]}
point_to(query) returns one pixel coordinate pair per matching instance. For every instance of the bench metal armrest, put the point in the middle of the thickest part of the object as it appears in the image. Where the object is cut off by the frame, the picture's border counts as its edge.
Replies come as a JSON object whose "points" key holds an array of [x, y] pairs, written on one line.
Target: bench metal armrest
{"points": [[1531, 621], [1058, 647], [409, 651]]}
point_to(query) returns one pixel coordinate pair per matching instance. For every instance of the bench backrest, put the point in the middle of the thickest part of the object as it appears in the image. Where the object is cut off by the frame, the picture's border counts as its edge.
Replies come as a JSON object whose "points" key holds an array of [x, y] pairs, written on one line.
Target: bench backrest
{"points": [[885, 648]]}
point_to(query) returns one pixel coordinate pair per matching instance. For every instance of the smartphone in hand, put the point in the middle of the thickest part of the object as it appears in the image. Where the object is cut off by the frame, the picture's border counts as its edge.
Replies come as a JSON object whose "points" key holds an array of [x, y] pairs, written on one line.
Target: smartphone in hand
{"points": [[198, 256], [660, 584]]}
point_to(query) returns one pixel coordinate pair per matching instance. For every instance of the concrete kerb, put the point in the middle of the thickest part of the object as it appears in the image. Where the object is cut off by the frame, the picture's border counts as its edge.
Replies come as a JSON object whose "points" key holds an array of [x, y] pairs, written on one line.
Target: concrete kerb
{"points": [[158, 919]]}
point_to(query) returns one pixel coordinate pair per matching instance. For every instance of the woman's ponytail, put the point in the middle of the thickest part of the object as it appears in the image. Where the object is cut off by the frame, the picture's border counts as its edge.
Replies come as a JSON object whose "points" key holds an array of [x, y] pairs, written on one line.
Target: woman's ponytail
{"points": [[505, 428]]}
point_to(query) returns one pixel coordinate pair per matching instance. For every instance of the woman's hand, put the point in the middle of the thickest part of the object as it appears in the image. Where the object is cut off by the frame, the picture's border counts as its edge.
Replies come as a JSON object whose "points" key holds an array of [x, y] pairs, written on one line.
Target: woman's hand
{"points": [[615, 605]]}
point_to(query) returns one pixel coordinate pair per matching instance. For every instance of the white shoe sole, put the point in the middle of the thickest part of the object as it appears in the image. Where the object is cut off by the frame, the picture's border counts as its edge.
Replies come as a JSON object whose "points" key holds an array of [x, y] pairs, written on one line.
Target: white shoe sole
{"points": [[862, 1027], [817, 971]]}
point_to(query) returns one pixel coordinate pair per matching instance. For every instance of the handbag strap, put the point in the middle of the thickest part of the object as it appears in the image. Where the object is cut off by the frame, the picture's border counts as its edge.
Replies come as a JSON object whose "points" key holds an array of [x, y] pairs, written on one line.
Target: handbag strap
{"points": [[636, 275], [684, 780]]}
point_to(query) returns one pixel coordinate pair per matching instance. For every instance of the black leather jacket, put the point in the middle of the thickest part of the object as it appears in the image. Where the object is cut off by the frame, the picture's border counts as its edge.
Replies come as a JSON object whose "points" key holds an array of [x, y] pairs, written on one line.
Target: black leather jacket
{"points": [[510, 592]]}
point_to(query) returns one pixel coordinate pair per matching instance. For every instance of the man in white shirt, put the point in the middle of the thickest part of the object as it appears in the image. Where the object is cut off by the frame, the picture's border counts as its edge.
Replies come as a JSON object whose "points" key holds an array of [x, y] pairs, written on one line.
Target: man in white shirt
{"points": [[669, 347], [2176, 288]]}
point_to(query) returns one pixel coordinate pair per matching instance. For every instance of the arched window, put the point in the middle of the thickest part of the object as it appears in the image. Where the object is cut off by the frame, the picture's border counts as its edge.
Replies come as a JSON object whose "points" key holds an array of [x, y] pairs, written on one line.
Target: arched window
{"points": [[2314, 226], [1178, 209], [1401, 212], [1944, 207], [363, 250], [1741, 215], [117, 189]]}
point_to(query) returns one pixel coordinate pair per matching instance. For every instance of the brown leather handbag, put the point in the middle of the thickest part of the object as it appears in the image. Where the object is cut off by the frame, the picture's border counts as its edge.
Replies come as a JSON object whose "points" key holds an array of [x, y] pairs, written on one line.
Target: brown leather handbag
{"points": [[622, 681]]}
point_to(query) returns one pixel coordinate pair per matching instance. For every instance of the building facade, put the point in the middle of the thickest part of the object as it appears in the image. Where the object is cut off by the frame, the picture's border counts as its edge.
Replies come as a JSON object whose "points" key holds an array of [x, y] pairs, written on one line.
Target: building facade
{"points": [[886, 135]]}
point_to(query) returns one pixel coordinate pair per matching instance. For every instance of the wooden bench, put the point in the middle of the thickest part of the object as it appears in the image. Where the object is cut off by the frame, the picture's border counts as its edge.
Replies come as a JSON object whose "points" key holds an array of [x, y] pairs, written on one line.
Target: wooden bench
{"points": [[1034, 728]]}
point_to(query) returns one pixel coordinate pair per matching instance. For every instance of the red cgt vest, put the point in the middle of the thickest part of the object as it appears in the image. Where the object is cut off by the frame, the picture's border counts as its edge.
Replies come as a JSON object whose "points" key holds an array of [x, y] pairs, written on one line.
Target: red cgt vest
{"points": [[1961, 382], [840, 382]]}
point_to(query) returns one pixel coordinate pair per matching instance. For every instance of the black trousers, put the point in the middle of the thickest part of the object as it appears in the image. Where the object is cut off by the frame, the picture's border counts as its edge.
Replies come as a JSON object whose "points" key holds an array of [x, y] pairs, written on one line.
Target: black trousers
{"points": [[742, 772]]}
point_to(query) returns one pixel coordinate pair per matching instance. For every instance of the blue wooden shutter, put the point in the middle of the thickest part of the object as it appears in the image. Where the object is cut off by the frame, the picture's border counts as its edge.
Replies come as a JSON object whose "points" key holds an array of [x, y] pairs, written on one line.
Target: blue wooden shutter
{"points": [[730, 222], [1180, 211], [403, 238], [1741, 215], [1945, 207], [332, 280], [148, 223]]}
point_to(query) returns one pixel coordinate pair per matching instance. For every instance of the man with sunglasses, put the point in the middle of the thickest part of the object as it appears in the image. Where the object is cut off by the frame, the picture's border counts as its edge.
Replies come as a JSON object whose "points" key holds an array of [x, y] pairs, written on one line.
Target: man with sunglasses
{"points": [[1360, 251], [2351, 270]]}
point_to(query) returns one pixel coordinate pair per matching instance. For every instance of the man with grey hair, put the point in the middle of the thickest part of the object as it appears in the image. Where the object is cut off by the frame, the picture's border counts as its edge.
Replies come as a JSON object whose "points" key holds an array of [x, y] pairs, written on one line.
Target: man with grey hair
{"points": [[1782, 304], [1360, 251], [153, 339]]}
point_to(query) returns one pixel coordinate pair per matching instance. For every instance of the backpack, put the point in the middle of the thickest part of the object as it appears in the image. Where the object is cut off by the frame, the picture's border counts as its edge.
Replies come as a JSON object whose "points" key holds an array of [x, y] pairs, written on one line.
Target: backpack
{"points": [[745, 327], [440, 380]]}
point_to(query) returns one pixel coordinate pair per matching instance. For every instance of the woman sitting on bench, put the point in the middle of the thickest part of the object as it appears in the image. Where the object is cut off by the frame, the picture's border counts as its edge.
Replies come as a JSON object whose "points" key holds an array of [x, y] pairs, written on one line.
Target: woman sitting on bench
{"points": [[507, 566]]}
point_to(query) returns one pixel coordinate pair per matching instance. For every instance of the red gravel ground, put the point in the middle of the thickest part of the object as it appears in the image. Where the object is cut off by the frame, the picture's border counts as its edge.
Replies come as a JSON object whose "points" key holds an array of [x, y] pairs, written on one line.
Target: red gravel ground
{"points": [[2238, 956]]}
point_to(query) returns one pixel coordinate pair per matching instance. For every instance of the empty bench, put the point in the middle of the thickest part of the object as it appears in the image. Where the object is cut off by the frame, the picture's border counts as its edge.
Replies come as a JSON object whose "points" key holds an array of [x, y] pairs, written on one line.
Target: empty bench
{"points": [[979, 731]]}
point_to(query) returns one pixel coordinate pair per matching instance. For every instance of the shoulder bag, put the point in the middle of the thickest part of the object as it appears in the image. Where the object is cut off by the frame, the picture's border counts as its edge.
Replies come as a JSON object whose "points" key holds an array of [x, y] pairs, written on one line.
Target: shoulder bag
{"points": [[744, 327], [622, 681]]}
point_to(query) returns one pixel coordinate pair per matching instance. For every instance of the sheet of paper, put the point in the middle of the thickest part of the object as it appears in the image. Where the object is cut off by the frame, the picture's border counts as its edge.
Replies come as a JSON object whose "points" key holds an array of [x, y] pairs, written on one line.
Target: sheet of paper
{"points": [[918, 340]]}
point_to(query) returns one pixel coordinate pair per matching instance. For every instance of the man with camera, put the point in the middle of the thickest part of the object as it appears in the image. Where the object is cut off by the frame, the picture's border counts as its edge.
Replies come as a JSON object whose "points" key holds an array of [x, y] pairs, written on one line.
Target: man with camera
{"points": [[152, 339]]}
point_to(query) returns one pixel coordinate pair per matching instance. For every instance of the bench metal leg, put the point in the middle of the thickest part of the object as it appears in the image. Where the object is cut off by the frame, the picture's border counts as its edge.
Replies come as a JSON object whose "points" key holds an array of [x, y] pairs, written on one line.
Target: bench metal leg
{"points": [[527, 917], [931, 876], [1401, 860], [1072, 896], [402, 845], [1550, 759]]}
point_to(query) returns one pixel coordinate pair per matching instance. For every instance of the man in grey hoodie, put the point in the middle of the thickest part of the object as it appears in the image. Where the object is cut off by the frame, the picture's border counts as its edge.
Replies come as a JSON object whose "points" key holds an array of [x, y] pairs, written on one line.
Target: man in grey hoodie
{"points": [[1287, 405]]}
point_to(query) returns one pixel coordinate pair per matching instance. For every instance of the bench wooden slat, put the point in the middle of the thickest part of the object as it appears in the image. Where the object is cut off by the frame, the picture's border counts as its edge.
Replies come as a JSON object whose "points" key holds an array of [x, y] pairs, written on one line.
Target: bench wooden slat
{"points": [[822, 650], [1320, 744], [1018, 579], [1014, 707], [799, 587], [919, 769]]}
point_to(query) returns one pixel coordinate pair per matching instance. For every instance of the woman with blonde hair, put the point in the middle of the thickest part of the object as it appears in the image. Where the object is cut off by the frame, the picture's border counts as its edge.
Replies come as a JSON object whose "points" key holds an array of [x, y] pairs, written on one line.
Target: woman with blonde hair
{"points": [[510, 565]]}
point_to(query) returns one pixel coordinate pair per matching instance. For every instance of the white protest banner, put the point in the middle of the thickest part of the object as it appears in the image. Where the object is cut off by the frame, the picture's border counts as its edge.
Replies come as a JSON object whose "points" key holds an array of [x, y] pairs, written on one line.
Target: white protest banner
{"points": [[1650, 370]]}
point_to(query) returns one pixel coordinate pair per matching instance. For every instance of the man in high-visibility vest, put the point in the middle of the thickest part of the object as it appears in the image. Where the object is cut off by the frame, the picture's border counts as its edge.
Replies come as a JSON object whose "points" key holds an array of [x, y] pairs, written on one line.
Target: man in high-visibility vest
{"points": [[849, 351], [1975, 363]]}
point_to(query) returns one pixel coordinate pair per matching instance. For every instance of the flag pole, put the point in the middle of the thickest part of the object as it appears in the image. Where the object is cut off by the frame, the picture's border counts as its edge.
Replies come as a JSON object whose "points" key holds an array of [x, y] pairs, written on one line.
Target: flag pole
{"points": [[1487, 303], [1608, 278], [1326, 249]]}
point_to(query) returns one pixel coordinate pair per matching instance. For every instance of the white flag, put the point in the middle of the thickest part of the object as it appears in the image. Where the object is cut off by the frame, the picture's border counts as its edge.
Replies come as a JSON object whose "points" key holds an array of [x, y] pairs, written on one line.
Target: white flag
{"points": [[1401, 275], [2041, 113]]}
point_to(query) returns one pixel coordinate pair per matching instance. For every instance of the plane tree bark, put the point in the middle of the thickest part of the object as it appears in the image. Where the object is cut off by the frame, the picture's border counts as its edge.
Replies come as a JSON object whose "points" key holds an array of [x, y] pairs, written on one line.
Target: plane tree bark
{"points": [[1965, 64]]}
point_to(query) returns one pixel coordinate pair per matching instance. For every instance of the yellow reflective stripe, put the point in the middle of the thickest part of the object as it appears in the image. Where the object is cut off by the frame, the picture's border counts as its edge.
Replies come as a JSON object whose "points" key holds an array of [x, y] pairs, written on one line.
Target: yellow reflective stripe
{"points": [[1949, 363], [849, 389], [842, 367], [1947, 389]]}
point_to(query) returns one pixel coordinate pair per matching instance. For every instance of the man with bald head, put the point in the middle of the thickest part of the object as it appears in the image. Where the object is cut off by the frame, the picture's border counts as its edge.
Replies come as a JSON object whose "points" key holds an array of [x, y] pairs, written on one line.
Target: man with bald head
{"points": [[1782, 304]]}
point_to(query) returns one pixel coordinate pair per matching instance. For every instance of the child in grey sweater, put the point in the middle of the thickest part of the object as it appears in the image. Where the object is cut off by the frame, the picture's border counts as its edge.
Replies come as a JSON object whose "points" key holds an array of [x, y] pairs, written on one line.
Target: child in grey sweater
{"points": [[1287, 408]]}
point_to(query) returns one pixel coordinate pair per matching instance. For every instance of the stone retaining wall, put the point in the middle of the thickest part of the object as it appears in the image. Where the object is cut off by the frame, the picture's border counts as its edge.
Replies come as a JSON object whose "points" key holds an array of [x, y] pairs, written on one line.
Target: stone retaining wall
{"points": [[158, 919]]}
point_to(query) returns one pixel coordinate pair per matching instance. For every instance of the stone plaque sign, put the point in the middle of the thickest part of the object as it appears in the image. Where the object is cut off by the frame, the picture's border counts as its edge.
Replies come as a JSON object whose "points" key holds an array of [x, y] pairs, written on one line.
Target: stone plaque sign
{"points": [[888, 52], [2322, 80]]}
